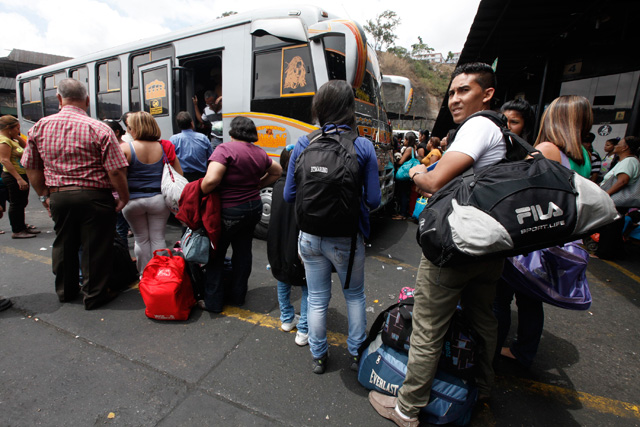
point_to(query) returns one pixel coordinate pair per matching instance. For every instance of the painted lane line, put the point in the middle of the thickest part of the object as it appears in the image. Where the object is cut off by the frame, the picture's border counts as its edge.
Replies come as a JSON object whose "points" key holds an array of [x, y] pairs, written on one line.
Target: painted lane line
{"points": [[334, 338], [26, 255], [394, 262], [570, 397], [622, 270]]}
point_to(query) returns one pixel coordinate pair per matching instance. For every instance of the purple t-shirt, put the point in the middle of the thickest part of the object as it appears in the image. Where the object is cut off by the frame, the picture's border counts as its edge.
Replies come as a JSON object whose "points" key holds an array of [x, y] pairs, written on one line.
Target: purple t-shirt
{"points": [[246, 164]]}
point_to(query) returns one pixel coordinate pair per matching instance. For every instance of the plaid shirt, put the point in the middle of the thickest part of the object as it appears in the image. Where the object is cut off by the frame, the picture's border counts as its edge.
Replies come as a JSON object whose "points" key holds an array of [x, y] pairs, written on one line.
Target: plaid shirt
{"points": [[73, 149]]}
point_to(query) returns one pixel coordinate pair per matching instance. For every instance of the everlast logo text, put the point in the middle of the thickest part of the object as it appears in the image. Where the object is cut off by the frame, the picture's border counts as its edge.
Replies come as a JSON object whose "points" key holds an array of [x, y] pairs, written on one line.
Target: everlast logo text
{"points": [[320, 169], [382, 384], [536, 212]]}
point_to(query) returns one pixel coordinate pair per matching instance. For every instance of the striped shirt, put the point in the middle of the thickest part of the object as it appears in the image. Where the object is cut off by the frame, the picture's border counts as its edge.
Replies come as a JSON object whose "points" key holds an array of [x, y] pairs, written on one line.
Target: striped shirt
{"points": [[73, 149]]}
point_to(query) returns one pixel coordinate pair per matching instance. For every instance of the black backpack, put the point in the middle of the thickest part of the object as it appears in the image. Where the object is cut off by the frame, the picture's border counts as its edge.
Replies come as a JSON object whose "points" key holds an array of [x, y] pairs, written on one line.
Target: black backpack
{"points": [[329, 187]]}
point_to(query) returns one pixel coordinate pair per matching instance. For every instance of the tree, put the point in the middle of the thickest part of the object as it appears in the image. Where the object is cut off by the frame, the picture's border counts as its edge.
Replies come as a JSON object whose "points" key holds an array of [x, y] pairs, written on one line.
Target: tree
{"points": [[225, 14], [450, 56], [399, 51], [382, 29], [420, 50]]}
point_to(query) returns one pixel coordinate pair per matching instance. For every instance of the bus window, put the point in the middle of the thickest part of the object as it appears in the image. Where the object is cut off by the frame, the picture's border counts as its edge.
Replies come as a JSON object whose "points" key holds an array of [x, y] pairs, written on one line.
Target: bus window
{"points": [[82, 75], [50, 92], [137, 60], [162, 53], [109, 105], [297, 72], [283, 80], [334, 48], [31, 102], [267, 75], [155, 83]]}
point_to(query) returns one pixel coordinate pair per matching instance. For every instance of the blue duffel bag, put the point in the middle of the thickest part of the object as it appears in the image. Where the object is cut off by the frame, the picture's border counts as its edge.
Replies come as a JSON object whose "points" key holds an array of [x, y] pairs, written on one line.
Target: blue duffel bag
{"points": [[383, 368]]}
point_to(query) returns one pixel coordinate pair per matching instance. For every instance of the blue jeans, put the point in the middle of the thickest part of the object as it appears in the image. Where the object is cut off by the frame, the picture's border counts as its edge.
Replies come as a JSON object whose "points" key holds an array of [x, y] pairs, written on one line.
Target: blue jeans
{"points": [[238, 224], [287, 312], [319, 254]]}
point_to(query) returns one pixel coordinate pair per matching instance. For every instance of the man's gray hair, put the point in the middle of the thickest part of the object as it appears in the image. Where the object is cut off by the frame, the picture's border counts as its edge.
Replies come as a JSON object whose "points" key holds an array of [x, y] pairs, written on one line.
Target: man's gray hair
{"points": [[72, 89]]}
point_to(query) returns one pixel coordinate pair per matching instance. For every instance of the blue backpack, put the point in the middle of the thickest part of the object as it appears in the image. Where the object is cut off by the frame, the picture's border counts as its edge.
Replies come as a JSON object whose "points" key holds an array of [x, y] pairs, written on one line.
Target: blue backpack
{"points": [[383, 368]]}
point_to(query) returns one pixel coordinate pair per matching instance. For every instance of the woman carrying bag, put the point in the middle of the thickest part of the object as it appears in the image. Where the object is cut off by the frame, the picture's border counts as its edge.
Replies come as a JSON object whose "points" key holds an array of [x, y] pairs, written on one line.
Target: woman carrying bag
{"points": [[146, 212], [403, 183], [622, 183], [560, 139], [239, 169]]}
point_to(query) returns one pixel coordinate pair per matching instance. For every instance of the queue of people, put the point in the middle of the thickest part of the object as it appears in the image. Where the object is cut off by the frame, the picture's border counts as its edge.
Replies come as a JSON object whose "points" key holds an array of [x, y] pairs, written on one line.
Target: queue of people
{"points": [[77, 191]]}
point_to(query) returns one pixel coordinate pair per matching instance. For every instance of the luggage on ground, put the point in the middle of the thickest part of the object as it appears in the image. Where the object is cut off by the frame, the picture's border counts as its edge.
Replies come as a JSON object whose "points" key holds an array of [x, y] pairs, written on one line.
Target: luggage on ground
{"points": [[383, 369], [166, 287]]}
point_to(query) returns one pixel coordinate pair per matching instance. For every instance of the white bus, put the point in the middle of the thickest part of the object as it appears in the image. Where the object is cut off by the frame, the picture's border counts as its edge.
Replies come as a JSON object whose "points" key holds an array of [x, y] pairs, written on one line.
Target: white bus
{"points": [[269, 64]]}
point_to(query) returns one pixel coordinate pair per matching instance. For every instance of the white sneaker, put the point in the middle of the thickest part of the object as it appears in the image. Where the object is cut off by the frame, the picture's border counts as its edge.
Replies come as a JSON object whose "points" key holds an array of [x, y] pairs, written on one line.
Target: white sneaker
{"points": [[302, 339], [288, 327]]}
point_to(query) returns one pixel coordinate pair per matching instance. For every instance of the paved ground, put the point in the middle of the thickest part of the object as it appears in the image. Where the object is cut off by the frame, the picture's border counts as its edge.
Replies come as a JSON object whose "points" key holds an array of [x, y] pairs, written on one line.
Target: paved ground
{"points": [[62, 365]]}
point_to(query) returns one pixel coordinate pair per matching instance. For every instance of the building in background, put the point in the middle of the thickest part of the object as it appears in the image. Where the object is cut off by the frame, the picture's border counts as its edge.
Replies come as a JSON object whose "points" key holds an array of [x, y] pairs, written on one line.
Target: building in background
{"points": [[16, 62], [545, 48]]}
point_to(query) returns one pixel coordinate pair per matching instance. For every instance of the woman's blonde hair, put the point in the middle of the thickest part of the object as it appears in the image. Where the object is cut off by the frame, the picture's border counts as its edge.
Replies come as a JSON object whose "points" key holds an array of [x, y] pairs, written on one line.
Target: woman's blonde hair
{"points": [[7, 122], [565, 123], [143, 126]]}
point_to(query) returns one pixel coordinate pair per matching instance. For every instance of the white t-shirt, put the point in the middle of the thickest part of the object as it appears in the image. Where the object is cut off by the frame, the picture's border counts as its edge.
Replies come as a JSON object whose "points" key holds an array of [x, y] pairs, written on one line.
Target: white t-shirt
{"points": [[482, 140]]}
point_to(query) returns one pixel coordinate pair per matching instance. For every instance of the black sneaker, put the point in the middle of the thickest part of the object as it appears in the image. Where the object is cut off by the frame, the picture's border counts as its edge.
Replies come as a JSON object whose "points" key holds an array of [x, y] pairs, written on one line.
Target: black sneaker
{"points": [[320, 365], [355, 363]]}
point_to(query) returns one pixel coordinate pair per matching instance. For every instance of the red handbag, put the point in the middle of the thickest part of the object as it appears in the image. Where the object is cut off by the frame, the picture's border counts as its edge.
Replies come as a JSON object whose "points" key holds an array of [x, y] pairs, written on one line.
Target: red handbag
{"points": [[166, 288]]}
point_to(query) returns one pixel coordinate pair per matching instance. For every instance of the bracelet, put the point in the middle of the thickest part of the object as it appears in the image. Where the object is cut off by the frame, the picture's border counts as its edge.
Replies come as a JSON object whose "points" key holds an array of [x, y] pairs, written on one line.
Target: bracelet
{"points": [[417, 173]]}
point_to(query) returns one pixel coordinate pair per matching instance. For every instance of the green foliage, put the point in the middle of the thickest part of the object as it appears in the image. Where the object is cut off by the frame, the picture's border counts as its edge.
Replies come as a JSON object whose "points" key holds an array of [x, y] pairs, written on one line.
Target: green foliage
{"points": [[449, 56], [420, 50], [398, 51], [435, 77], [382, 29]]}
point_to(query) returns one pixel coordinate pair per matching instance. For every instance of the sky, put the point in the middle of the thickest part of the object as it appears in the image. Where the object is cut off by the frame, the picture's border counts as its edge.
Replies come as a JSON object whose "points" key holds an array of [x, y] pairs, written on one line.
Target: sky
{"points": [[79, 27]]}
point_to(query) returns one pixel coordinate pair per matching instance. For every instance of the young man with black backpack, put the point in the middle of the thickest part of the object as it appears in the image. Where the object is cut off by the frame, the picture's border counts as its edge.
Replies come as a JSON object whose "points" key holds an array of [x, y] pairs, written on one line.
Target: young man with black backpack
{"points": [[479, 143], [333, 180]]}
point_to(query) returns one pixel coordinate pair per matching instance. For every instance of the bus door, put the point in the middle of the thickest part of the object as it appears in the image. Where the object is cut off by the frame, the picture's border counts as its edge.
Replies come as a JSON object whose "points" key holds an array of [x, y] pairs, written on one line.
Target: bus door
{"points": [[156, 85]]}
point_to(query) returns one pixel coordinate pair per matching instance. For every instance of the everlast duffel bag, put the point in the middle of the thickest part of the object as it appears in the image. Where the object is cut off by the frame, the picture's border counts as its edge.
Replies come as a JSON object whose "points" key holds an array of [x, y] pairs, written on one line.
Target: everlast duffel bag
{"points": [[510, 208]]}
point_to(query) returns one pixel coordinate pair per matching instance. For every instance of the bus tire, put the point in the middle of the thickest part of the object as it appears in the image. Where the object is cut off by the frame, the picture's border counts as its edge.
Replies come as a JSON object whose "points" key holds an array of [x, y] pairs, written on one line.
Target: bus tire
{"points": [[260, 231]]}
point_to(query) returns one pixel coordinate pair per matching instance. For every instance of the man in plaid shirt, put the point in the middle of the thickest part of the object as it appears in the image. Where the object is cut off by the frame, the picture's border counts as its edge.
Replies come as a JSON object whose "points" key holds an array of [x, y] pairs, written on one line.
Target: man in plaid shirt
{"points": [[73, 162]]}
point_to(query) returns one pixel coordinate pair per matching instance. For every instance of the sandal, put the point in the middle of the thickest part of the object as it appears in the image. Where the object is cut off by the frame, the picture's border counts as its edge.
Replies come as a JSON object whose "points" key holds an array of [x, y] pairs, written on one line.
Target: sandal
{"points": [[31, 227], [1, 232]]}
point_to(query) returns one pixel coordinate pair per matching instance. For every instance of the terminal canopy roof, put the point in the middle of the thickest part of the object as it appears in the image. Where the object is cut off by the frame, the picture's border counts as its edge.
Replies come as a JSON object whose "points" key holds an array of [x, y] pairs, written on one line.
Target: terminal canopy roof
{"points": [[532, 42]]}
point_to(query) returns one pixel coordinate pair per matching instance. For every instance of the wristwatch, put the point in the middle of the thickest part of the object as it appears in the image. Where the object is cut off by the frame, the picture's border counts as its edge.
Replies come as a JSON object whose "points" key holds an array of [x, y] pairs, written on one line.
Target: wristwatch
{"points": [[43, 198]]}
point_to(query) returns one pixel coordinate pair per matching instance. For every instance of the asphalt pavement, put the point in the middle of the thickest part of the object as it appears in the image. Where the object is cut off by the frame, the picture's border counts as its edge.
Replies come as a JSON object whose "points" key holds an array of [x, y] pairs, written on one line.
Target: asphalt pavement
{"points": [[62, 365]]}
